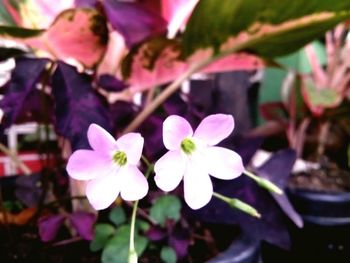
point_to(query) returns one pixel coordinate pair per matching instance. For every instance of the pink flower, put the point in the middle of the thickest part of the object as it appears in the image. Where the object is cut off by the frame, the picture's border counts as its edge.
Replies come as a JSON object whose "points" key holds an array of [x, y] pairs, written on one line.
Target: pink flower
{"points": [[110, 167], [193, 156]]}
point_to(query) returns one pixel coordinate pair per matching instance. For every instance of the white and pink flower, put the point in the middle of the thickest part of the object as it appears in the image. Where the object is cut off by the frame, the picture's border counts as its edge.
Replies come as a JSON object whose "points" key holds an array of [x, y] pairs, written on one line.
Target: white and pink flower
{"points": [[193, 156], [109, 168]]}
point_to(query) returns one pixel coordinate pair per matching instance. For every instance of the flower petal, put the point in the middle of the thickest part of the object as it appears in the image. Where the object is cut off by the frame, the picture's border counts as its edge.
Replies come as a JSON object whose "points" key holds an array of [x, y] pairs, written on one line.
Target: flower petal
{"points": [[175, 129], [214, 128], [169, 170], [134, 183], [132, 145], [198, 188], [102, 191], [87, 164], [223, 163], [99, 139]]}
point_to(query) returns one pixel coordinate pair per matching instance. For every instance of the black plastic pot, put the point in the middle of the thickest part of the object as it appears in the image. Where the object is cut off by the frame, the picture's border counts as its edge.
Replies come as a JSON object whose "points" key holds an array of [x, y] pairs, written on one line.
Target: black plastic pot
{"points": [[242, 250], [326, 232]]}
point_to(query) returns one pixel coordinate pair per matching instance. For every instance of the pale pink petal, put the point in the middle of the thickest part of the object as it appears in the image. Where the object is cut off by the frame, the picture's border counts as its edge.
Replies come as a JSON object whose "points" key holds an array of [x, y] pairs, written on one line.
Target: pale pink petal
{"points": [[102, 191], [132, 145], [169, 170], [198, 188], [87, 164], [223, 163], [214, 128], [134, 183], [99, 139], [175, 129]]}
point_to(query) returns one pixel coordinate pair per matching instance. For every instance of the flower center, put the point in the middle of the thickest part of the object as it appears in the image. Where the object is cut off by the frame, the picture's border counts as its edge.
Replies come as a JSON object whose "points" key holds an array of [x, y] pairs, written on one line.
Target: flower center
{"points": [[120, 158], [188, 146]]}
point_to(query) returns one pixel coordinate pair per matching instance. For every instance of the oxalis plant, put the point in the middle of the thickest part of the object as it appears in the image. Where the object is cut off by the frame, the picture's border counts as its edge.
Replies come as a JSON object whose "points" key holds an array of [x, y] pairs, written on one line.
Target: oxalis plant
{"points": [[80, 63], [110, 168]]}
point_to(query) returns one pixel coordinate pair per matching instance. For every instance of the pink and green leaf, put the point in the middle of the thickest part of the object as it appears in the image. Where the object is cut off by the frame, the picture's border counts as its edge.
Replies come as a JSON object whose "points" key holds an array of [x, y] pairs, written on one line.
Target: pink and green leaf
{"points": [[78, 34]]}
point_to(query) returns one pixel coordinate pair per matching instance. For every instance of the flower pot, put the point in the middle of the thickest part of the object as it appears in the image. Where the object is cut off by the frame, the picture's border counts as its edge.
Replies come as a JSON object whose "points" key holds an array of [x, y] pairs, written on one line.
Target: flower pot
{"points": [[242, 250], [326, 232]]}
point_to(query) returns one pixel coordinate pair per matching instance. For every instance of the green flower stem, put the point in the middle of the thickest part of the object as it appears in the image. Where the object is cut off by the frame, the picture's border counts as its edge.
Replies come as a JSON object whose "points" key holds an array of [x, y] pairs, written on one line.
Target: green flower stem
{"points": [[264, 183], [238, 204], [132, 252]]}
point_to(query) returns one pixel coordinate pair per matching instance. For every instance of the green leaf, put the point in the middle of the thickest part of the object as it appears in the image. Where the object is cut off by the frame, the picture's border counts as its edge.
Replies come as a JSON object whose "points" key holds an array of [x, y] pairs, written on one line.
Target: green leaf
{"points": [[102, 234], [142, 225], [117, 248], [117, 215], [321, 97], [268, 28], [168, 255], [166, 207], [19, 32]]}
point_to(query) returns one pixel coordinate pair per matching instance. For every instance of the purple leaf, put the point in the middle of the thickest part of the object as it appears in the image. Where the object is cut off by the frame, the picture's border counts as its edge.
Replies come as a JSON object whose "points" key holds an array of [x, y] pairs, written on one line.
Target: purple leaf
{"points": [[134, 21], [122, 113], [77, 105], [277, 169], [180, 240], [246, 147], [37, 107], [85, 3], [28, 189], [110, 83], [49, 226], [151, 129], [83, 222], [24, 77], [271, 227], [156, 233]]}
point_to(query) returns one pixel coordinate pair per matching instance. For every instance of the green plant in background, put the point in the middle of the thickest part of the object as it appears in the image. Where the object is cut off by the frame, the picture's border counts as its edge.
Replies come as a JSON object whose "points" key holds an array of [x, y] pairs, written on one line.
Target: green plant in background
{"points": [[113, 238]]}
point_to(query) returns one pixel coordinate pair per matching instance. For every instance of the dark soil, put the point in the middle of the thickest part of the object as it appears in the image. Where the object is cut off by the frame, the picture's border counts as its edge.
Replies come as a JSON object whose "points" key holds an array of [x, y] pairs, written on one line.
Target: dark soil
{"points": [[22, 244], [329, 178]]}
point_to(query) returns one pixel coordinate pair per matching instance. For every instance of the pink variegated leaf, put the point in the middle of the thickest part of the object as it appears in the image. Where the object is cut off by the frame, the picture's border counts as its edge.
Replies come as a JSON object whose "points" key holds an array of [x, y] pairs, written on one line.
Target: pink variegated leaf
{"points": [[158, 61], [319, 99], [79, 35]]}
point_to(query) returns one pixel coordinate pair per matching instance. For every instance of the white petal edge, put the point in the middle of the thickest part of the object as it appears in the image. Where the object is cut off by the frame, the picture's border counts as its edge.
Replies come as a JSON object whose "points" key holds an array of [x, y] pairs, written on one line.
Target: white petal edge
{"points": [[198, 188], [87, 164], [169, 170], [223, 163], [175, 129], [102, 191], [134, 184], [132, 145], [214, 128], [99, 139]]}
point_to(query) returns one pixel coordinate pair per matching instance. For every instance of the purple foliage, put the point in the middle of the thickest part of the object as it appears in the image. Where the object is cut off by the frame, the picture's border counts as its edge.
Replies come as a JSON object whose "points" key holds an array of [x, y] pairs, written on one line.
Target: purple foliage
{"points": [[246, 147], [133, 20], [28, 189], [110, 83], [22, 83], [176, 236], [85, 3], [277, 169], [151, 130], [272, 225], [179, 240], [77, 105], [156, 233], [83, 222], [122, 113], [49, 226]]}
